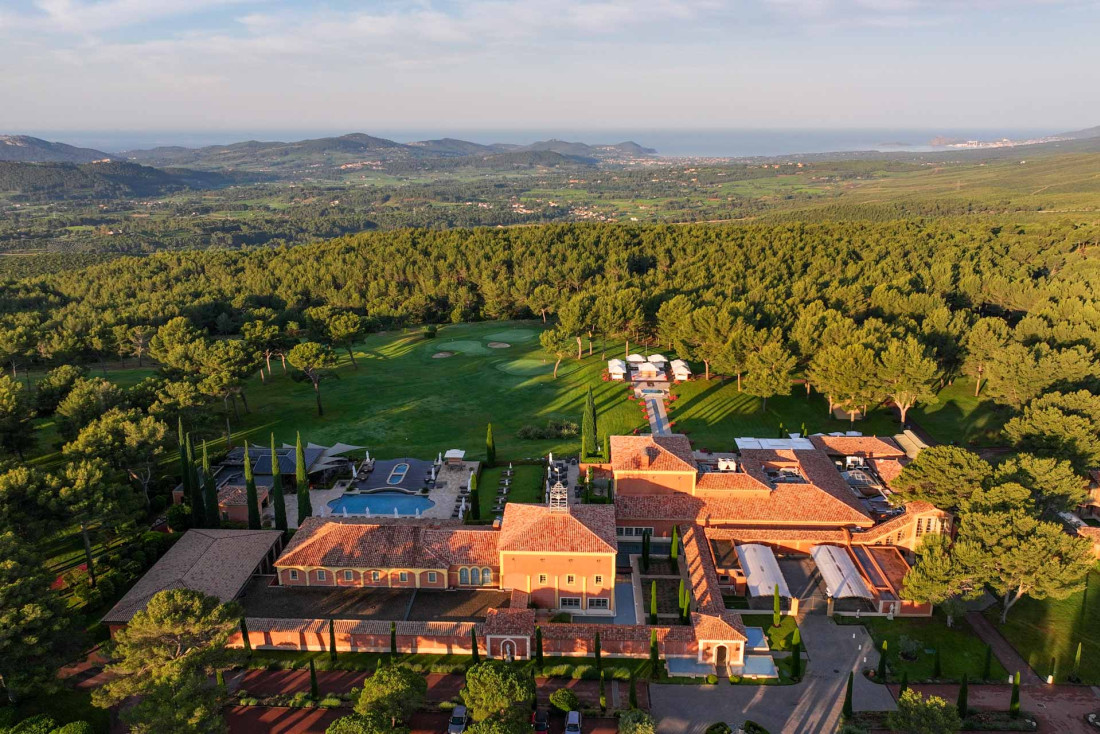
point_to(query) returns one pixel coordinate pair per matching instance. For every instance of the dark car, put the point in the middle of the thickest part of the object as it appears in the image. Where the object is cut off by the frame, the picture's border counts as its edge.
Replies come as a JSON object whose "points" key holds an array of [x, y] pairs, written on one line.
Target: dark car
{"points": [[541, 720]]}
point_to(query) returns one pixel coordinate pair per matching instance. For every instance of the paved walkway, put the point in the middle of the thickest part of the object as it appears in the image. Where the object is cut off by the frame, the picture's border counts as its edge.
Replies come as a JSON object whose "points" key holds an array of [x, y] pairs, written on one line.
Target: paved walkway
{"points": [[1005, 652], [810, 707]]}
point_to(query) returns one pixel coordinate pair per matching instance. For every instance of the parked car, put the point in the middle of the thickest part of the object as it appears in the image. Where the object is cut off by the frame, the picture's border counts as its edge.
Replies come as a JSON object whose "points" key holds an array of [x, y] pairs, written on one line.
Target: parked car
{"points": [[541, 720], [573, 722], [459, 720]]}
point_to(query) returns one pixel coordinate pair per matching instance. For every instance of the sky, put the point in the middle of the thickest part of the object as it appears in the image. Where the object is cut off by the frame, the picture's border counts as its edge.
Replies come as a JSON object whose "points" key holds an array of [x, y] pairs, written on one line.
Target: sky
{"points": [[367, 65]]}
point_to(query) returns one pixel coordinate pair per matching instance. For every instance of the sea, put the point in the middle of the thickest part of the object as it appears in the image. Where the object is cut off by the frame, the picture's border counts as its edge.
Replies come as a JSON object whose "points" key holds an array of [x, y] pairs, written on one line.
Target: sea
{"points": [[717, 143]]}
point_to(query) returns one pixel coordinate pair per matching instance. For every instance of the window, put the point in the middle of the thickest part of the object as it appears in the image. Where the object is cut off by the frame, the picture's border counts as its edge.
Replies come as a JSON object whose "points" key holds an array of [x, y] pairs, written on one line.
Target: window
{"points": [[374, 576], [598, 604], [542, 578], [348, 575], [633, 532], [598, 580], [920, 526], [570, 602], [404, 577], [431, 577], [464, 576], [321, 576], [293, 575], [570, 579], [475, 577], [486, 576]]}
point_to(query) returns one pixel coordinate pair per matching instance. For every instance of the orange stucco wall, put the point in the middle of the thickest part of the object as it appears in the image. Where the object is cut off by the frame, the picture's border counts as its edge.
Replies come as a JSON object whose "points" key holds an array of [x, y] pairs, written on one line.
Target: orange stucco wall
{"points": [[651, 483], [387, 578], [524, 571]]}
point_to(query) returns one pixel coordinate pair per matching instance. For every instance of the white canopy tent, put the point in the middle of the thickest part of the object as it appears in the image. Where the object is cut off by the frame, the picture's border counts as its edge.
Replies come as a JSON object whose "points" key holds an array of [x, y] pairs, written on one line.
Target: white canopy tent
{"points": [[657, 358], [616, 368], [636, 359], [762, 572], [842, 579]]}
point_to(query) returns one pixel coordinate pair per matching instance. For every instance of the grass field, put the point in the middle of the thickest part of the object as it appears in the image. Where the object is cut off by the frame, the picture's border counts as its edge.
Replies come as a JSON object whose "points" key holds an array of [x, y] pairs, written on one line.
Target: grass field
{"points": [[961, 417], [526, 486], [961, 651], [781, 638], [1052, 628]]}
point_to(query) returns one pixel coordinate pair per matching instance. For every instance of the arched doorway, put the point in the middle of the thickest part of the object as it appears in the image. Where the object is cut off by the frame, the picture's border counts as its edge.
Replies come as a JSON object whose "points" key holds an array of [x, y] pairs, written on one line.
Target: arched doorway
{"points": [[508, 650], [721, 656]]}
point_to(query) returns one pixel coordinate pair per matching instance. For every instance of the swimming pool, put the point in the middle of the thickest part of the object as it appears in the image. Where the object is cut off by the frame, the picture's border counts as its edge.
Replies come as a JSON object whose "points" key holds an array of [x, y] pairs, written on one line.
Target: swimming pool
{"points": [[380, 503]]}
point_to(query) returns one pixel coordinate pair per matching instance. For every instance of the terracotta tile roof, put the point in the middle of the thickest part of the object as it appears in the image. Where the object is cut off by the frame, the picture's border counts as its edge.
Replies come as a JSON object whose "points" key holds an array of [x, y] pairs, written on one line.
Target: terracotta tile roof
{"points": [[232, 494], [216, 562], [752, 535], [723, 480], [366, 543], [655, 453], [519, 600], [894, 524], [706, 592], [510, 622], [617, 632], [888, 469], [866, 446], [726, 627], [537, 528]]}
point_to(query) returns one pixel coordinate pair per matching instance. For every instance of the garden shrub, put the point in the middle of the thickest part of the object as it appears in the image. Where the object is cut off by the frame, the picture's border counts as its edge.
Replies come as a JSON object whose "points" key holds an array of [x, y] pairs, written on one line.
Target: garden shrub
{"points": [[908, 647], [39, 724], [75, 727], [618, 673], [562, 670], [330, 702], [719, 728], [564, 700], [636, 722], [585, 672], [751, 727], [554, 428], [712, 679], [562, 618]]}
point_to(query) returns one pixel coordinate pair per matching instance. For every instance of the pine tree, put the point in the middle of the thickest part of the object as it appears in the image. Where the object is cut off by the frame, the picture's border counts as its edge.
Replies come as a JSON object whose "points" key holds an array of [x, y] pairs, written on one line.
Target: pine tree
{"points": [[882, 663], [848, 698], [251, 495], [596, 651], [588, 426], [301, 477], [538, 645], [796, 654], [245, 641], [963, 695], [314, 692], [198, 507], [278, 502], [210, 491], [653, 603], [987, 667], [1014, 701], [490, 447], [777, 608], [332, 641], [473, 646]]}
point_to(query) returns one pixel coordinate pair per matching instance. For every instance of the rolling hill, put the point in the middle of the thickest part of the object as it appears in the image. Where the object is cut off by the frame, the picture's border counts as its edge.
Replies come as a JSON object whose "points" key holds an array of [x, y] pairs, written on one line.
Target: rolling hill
{"points": [[25, 149], [106, 180]]}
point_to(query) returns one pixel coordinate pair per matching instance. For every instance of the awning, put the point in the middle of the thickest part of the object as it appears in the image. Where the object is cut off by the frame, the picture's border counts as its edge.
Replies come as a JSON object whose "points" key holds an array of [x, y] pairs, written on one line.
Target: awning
{"points": [[842, 580], [762, 572]]}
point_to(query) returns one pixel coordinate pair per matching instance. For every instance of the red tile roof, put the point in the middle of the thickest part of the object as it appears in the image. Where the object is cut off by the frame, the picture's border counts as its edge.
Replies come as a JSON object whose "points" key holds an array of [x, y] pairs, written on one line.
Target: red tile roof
{"points": [[894, 524], [725, 627], [653, 453], [537, 528], [722, 480], [706, 592], [753, 535], [888, 469], [231, 495], [510, 622], [365, 543], [866, 446]]}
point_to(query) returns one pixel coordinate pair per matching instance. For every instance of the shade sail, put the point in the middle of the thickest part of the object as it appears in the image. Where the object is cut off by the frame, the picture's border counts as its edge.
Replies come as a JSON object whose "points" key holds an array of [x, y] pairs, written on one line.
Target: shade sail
{"points": [[762, 572], [842, 579]]}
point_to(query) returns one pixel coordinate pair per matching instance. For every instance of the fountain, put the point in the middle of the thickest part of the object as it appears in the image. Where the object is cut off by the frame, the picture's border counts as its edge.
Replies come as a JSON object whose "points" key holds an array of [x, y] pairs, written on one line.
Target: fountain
{"points": [[395, 514], [417, 513]]}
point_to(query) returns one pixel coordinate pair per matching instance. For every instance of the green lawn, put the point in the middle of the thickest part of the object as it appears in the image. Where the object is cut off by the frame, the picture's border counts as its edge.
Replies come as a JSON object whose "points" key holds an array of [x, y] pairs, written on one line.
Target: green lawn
{"points": [[959, 416], [961, 651], [1052, 628], [780, 638], [526, 486]]}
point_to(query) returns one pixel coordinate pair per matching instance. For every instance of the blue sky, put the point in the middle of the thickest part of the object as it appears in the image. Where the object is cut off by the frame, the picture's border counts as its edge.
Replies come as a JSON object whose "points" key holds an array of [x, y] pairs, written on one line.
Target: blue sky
{"points": [[540, 64]]}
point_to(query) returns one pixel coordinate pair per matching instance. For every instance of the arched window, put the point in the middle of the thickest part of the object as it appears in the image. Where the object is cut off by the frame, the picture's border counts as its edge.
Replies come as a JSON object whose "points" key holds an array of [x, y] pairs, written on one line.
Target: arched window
{"points": [[475, 577], [464, 576], [486, 576]]}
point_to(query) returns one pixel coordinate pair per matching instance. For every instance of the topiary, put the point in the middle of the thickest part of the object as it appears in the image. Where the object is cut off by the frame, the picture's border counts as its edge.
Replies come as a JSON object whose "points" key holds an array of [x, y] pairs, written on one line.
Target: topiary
{"points": [[564, 700], [719, 728], [75, 727]]}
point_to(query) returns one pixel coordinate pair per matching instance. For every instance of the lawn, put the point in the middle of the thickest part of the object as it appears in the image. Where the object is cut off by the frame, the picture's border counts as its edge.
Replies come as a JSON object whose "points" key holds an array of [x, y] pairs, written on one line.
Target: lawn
{"points": [[958, 416], [526, 486], [780, 638], [961, 651], [1052, 628]]}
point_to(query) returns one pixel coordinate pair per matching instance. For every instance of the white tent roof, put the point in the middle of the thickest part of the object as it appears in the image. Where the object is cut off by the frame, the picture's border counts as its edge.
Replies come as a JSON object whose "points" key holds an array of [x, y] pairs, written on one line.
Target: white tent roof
{"points": [[635, 358], [657, 358], [616, 365], [454, 454], [680, 365], [842, 580], [648, 367], [762, 572]]}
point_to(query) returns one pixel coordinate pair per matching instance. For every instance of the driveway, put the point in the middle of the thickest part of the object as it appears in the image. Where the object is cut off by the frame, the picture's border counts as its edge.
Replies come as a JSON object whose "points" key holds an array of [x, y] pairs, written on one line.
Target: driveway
{"points": [[810, 707]]}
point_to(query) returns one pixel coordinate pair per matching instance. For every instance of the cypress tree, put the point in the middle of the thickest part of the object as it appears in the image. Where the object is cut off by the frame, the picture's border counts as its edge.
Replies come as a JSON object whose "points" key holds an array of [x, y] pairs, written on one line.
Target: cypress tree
{"points": [[962, 703], [490, 447], [603, 694], [278, 502], [219, 680], [538, 645], [796, 654], [244, 638], [655, 655], [848, 698], [1077, 662], [1014, 701], [904, 684], [987, 667], [937, 669], [473, 646], [653, 602], [633, 690], [596, 650], [1054, 668], [393, 641], [198, 507], [588, 426], [674, 549], [314, 693], [685, 609], [332, 641], [777, 609], [882, 663], [251, 495], [185, 476], [210, 490], [305, 509], [607, 448], [645, 551]]}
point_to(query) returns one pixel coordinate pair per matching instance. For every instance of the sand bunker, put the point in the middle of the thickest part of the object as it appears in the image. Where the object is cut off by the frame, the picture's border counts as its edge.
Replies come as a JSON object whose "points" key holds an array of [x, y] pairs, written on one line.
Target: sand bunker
{"points": [[442, 355], [499, 345]]}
